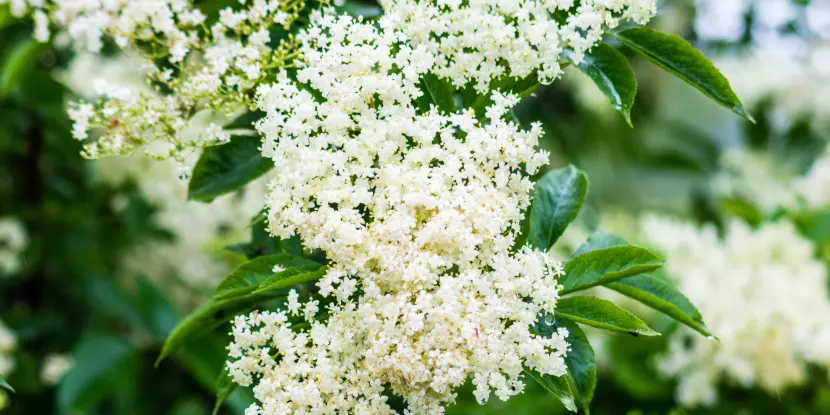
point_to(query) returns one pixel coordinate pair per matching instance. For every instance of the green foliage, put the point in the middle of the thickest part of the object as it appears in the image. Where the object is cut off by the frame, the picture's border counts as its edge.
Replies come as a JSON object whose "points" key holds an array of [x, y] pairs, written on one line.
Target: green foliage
{"points": [[662, 296], [249, 276], [227, 168], [611, 72], [441, 92], [559, 386], [557, 198], [98, 361], [677, 56], [21, 59], [602, 314], [5, 385], [606, 265]]}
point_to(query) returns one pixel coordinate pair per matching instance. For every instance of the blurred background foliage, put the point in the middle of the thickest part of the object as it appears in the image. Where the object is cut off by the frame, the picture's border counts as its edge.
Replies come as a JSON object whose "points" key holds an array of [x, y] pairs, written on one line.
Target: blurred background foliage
{"points": [[68, 294]]}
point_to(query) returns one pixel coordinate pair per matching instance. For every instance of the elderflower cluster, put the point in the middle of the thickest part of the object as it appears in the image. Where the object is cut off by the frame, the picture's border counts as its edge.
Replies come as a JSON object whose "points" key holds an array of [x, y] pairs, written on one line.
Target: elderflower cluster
{"points": [[484, 40], [761, 292], [191, 67], [13, 241], [787, 55], [417, 212]]}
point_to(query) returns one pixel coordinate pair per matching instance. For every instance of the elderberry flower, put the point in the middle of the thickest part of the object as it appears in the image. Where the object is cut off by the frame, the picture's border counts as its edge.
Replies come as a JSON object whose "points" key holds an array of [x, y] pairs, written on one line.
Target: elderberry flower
{"points": [[761, 292], [189, 68], [417, 212], [481, 41]]}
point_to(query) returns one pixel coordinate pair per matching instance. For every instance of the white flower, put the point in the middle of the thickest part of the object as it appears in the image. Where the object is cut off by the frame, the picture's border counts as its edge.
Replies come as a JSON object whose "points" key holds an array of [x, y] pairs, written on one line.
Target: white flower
{"points": [[761, 292], [8, 342], [13, 242], [55, 367]]}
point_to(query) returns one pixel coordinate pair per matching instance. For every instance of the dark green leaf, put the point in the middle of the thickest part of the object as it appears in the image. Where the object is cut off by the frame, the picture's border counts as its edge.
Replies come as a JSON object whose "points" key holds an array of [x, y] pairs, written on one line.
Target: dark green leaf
{"points": [[661, 296], [20, 60], [5, 385], [606, 265], [581, 362], [441, 93], [292, 276], [603, 314], [226, 168], [557, 198], [96, 360], [679, 57], [208, 317], [247, 277], [559, 386], [224, 388], [611, 72], [600, 240]]}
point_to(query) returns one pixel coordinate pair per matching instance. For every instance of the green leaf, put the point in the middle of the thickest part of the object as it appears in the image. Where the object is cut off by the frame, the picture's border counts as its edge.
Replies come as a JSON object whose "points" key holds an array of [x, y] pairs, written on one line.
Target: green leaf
{"points": [[20, 60], [224, 388], [661, 296], [557, 198], [207, 318], [247, 277], [559, 386], [581, 362], [606, 265], [679, 57], [612, 73], [603, 314], [97, 359], [226, 168], [5, 385], [441, 93], [600, 240], [292, 276]]}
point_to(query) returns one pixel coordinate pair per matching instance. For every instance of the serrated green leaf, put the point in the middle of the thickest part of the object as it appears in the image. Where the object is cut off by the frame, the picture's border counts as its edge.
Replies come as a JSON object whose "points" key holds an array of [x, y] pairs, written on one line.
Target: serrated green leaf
{"points": [[5, 385], [606, 265], [557, 199], [679, 57], [612, 74], [224, 388], [97, 358], [226, 168], [292, 276], [600, 240], [559, 386], [603, 314], [247, 277], [441, 92], [662, 296], [20, 60]]}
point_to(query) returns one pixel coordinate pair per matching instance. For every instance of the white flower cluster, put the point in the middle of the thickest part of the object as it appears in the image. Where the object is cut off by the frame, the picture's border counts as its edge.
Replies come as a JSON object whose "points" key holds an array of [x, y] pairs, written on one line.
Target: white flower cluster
{"points": [[417, 213], [757, 178], [787, 58], [191, 67], [8, 342], [484, 40], [13, 241], [761, 292]]}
